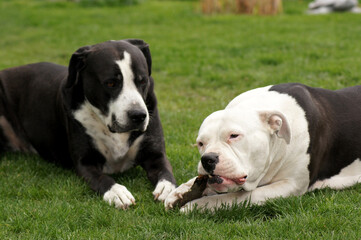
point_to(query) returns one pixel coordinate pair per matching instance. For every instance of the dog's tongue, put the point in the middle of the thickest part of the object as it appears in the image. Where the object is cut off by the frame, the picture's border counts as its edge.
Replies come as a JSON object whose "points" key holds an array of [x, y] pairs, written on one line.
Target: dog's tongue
{"points": [[239, 181]]}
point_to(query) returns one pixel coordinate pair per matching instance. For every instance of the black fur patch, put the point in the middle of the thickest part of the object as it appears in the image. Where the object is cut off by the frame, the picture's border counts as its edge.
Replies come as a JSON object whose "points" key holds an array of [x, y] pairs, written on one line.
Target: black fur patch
{"points": [[334, 126]]}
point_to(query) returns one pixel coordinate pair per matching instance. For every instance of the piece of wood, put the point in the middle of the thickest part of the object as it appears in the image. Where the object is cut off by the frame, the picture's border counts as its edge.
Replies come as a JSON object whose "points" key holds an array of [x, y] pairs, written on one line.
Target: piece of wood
{"points": [[195, 192]]}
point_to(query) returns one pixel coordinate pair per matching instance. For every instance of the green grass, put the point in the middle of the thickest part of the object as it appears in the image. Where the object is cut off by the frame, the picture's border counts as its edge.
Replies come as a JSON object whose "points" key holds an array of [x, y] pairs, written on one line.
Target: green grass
{"points": [[200, 64]]}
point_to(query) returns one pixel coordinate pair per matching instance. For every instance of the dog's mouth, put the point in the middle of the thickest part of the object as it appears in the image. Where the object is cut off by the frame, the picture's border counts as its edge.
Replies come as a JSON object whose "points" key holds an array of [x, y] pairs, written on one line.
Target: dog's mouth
{"points": [[116, 128], [223, 184], [217, 179]]}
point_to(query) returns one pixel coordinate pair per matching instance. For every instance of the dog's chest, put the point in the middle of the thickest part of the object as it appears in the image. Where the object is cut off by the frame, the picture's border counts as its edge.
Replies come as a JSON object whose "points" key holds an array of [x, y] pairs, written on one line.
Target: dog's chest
{"points": [[116, 148]]}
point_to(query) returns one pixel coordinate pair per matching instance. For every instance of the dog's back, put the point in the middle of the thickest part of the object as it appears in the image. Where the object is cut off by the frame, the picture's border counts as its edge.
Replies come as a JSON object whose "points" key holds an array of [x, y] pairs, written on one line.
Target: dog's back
{"points": [[29, 94]]}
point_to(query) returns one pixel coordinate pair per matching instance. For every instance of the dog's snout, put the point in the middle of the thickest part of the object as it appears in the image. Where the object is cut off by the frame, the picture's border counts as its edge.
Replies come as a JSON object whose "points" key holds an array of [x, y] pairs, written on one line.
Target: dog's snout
{"points": [[209, 161], [137, 116]]}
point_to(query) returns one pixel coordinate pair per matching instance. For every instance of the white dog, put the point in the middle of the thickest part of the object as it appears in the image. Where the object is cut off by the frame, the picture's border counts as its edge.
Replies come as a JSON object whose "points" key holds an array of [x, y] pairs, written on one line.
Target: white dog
{"points": [[278, 141]]}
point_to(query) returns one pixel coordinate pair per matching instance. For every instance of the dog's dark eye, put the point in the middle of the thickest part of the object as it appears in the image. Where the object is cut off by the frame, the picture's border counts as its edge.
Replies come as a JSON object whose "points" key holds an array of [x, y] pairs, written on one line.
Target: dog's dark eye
{"points": [[110, 84], [233, 136], [114, 82], [200, 144], [142, 80]]}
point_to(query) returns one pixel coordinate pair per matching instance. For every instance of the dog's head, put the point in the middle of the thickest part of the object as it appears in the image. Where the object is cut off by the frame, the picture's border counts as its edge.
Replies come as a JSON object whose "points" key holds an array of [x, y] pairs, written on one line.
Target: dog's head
{"points": [[235, 147], [113, 78]]}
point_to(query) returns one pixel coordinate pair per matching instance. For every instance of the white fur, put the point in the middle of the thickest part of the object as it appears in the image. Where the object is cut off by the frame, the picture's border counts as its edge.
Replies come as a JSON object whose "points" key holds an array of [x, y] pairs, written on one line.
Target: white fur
{"points": [[119, 196], [163, 189], [129, 96], [347, 177], [113, 146], [274, 168], [126, 162]]}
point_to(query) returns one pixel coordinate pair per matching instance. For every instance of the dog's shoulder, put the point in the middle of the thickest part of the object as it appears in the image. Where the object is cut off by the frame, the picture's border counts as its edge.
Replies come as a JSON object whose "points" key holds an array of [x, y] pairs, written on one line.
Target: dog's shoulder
{"points": [[299, 91], [311, 100]]}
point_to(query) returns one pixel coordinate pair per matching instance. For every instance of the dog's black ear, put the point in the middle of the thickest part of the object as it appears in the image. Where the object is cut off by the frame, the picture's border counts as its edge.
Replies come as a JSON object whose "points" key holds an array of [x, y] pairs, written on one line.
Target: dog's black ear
{"points": [[144, 47], [75, 65]]}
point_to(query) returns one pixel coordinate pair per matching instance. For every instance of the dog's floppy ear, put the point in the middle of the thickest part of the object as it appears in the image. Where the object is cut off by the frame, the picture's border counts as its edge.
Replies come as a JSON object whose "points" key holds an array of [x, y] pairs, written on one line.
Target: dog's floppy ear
{"points": [[277, 124], [144, 47], [75, 65]]}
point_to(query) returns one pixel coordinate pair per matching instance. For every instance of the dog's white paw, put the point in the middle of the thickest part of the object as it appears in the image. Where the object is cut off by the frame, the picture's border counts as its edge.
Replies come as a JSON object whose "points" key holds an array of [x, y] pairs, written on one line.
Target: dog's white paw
{"points": [[163, 189], [119, 196], [176, 195]]}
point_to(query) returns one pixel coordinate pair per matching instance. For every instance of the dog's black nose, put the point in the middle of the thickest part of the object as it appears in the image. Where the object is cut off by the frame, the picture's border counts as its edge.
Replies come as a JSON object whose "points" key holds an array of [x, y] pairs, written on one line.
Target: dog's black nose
{"points": [[137, 116], [209, 161]]}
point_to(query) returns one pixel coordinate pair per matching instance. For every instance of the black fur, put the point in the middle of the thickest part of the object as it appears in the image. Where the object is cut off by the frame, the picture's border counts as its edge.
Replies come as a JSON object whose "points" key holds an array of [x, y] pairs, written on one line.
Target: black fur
{"points": [[334, 121]]}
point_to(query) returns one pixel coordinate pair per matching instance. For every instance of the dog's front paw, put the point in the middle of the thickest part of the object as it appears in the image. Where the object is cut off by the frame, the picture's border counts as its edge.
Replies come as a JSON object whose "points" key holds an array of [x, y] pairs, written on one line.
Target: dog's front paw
{"points": [[119, 196], [176, 195], [163, 189]]}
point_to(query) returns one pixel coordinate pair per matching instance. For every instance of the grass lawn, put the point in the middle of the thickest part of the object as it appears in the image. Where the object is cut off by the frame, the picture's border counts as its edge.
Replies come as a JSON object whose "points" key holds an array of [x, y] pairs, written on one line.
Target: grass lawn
{"points": [[200, 64]]}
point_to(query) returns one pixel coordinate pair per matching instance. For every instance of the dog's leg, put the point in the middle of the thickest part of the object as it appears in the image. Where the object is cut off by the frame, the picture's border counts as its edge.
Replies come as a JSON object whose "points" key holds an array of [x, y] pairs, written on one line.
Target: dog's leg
{"points": [[9, 140], [159, 173], [282, 188], [112, 192], [347, 177], [10, 137], [336, 183], [2, 134], [153, 159], [2, 140]]}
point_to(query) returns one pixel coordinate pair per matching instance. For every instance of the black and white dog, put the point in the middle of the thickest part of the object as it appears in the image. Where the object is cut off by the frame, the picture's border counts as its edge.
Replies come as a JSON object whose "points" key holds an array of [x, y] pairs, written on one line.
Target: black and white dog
{"points": [[278, 141], [99, 116]]}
